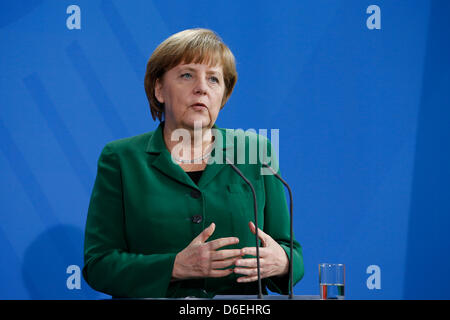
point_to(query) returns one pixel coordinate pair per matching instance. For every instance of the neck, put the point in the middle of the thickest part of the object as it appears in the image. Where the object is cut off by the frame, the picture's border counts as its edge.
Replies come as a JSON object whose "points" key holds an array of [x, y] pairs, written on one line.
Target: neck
{"points": [[187, 143]]}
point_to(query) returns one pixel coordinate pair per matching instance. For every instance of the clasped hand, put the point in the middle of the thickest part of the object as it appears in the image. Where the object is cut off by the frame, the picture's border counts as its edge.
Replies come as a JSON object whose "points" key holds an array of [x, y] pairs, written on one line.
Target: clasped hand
{"points": [[202, 259]]}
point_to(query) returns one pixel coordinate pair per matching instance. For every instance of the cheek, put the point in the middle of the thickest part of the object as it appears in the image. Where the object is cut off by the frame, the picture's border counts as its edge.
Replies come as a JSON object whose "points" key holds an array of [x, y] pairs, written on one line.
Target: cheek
{"points": [[218, 98], [174, 96]]}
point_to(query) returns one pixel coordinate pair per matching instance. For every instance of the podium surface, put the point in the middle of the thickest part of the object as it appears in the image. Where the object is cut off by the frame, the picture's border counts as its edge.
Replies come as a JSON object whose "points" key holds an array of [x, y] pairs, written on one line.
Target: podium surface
{"points": [[266, 297], [235, 297]]}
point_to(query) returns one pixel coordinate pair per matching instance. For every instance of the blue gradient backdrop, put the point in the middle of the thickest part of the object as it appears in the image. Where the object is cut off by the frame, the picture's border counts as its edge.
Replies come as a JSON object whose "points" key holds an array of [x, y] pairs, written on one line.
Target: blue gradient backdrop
{"points": [[363, 116]]}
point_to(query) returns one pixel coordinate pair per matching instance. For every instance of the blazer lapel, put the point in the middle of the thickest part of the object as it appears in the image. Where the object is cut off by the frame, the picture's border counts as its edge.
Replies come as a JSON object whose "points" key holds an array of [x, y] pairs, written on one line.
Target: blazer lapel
{"points": [[221, 149], [163, 160]]}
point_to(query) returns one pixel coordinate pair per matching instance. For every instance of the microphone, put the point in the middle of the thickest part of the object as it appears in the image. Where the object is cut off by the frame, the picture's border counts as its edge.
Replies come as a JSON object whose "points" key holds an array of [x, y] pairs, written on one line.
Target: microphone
{"points": [[291, 249], [260, 296]]}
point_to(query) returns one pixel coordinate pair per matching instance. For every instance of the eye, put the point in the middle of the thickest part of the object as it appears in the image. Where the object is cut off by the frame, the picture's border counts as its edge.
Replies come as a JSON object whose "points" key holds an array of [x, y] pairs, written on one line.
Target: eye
{"points": [[186, 75], [214, 79]]}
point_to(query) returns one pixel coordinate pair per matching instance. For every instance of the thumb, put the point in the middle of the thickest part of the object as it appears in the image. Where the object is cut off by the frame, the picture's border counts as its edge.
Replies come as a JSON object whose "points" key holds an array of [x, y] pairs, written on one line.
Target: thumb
{"points": [[205, 234], [264, 237]]}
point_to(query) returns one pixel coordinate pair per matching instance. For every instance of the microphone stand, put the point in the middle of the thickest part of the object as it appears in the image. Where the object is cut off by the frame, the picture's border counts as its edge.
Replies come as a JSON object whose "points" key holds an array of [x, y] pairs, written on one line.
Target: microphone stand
{"points": [[260, 296], [291, 248]]}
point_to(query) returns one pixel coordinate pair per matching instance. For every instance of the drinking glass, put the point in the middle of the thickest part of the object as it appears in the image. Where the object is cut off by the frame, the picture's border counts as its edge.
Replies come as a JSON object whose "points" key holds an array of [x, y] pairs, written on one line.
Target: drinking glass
{"points": [[331, 281]]}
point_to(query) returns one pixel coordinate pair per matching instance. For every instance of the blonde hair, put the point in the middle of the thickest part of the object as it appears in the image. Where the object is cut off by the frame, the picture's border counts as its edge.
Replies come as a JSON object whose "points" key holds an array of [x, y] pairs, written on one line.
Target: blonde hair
{"points": [[188, 46]]}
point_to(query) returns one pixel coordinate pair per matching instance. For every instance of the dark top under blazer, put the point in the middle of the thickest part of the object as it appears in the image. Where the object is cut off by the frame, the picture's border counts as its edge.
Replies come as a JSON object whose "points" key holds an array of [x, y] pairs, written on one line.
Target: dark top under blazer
{"points": [[144, 209], [195, 175]]}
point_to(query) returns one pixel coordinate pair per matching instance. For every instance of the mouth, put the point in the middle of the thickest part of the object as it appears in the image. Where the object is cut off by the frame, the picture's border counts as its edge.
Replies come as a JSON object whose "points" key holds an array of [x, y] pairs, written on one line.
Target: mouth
{"points": [[199, 106]]}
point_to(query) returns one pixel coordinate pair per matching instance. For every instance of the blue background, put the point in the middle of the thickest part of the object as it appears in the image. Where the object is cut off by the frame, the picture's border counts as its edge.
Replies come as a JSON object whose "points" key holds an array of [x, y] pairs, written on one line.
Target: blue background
{"points": [[363, 118]]}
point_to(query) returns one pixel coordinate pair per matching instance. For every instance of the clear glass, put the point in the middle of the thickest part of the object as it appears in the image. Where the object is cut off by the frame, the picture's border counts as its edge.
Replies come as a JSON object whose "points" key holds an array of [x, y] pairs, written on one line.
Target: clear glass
{"points": [[332, 281]]}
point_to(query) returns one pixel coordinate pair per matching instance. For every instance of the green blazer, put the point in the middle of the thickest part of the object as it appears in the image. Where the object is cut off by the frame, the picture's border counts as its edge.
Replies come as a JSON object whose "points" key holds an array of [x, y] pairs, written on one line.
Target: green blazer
{"points": [[144, 209]]}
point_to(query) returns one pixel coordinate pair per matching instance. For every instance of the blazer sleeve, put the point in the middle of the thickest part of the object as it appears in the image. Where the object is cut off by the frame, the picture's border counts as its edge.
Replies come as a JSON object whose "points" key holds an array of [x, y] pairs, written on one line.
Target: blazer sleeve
{"points": [[108, 266], [277, 225]]}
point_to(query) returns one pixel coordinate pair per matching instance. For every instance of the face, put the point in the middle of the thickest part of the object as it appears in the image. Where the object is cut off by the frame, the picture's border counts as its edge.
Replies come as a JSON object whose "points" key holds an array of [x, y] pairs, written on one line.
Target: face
{"points": [[191, 93]]}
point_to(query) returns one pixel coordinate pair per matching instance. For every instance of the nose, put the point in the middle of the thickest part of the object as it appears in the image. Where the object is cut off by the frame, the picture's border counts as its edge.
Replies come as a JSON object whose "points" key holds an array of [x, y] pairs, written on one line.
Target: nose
{"points": [[201, 86]]}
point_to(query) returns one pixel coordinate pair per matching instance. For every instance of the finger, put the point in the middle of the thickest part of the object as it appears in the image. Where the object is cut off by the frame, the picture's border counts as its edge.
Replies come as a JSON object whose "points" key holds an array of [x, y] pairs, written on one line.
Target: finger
{"points": [[220, 273], [248, 262], [247, 271], [251, 251], [225, 254], [261, 234], [205, 234], [247, 279], [223, 263], [222, 242]]}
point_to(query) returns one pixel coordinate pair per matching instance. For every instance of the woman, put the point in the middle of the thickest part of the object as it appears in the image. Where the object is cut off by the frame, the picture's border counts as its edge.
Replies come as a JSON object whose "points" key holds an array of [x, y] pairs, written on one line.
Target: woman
{"points": [[173, 224]]}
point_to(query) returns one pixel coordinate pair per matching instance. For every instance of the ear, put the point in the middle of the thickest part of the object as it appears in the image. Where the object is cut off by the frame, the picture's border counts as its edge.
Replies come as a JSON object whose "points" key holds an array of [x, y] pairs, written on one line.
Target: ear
{"points": [[158, 91]]}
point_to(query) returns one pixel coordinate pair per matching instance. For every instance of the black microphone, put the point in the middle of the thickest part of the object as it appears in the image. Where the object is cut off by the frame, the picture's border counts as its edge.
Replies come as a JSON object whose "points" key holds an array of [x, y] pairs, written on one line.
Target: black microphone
{"points": [[291, 249], [260, 296]]}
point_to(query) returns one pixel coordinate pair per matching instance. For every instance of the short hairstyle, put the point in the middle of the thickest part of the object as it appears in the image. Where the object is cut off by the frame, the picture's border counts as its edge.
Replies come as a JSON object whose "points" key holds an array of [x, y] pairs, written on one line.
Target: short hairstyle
{"points": [[188, 46]]}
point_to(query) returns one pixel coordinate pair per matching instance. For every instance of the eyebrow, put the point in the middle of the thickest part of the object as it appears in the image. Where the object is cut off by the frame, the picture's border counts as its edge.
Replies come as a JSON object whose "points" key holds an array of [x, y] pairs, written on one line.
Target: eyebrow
{"points": [[195, 70]]}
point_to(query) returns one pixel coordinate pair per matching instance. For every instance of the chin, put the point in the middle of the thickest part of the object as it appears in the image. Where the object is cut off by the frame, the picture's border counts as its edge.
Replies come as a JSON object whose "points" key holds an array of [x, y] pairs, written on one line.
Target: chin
{"points": [[192, 122]]}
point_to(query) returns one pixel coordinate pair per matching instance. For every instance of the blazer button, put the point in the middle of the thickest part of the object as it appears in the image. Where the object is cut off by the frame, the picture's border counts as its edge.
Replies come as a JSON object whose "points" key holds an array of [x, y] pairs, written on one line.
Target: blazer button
{"points": [[197, 218], [195, 194]]}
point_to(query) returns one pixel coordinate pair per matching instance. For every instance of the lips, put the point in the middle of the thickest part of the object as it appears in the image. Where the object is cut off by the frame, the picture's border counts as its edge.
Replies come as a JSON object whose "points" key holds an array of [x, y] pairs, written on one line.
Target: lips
{"points": [[199, 105]]}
